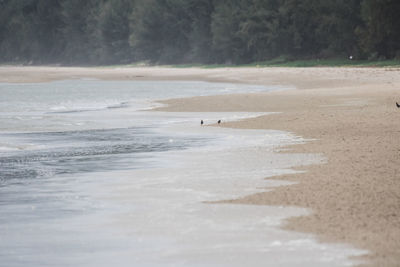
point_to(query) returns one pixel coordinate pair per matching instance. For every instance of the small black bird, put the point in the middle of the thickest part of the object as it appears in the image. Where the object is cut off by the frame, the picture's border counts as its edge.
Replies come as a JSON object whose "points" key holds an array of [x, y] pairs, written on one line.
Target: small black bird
{"points": [[219, 121], [201, 122], [397, 104]]}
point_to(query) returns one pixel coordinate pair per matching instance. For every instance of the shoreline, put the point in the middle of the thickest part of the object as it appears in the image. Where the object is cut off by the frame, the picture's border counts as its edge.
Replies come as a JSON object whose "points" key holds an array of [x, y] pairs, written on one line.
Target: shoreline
{"points": [[355, 195], [349, 113]]}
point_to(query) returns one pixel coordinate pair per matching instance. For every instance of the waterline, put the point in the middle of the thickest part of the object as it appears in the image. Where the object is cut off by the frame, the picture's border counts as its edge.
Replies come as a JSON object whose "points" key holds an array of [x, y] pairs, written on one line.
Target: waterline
{"points": [[128, 187]]}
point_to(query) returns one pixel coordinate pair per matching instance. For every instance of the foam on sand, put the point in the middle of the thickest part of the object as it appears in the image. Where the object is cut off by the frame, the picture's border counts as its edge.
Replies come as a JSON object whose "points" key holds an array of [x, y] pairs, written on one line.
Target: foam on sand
{"points": [[167, 207]]}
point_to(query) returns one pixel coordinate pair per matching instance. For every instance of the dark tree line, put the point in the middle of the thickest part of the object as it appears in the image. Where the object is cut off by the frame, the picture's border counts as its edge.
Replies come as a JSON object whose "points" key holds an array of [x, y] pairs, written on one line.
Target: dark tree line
{"points": [[196, 31]]}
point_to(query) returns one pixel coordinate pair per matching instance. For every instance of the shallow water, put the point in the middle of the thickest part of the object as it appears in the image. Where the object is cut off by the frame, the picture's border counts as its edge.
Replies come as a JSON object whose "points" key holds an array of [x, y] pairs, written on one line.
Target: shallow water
{"points": [[87, 179]]}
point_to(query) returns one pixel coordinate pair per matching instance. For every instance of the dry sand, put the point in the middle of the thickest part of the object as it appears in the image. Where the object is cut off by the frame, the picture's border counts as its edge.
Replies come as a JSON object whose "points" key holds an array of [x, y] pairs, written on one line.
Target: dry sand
{"points": [[349, 112]]}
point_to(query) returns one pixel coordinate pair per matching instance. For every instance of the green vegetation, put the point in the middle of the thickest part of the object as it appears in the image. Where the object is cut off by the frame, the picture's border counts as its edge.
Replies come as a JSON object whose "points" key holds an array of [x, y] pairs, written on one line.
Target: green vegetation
{"points": [[301, 63], [208, 33], [332, 63]]}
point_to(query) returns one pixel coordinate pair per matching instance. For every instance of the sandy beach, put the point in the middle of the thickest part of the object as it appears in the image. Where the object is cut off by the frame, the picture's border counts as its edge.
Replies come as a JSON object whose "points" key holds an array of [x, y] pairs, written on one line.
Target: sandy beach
{"points": [[348, 113]]}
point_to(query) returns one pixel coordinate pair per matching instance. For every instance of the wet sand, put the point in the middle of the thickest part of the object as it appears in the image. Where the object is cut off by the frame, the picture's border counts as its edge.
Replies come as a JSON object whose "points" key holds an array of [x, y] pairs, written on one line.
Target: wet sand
{"points": [[351, 117]]}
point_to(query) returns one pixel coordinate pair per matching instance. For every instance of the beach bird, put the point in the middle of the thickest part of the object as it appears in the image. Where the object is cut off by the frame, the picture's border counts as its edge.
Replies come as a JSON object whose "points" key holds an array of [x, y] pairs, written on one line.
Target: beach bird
{"points": [[397, 104], [219, 121], [201, 122]]}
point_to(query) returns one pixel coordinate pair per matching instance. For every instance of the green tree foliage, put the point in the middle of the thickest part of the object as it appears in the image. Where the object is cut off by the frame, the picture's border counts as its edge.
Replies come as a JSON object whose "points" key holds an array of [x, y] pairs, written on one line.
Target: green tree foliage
{"points": [[196, 31], [336, 27], [160, 30], [79, 18], [29, 30], [380, 35], [113, 27], [226, 40], [260, 30], [200, 38]]}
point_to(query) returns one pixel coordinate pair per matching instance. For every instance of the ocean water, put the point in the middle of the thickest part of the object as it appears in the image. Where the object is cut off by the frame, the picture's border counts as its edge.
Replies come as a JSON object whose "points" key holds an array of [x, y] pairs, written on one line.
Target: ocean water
{"points": [[89, 177]]}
